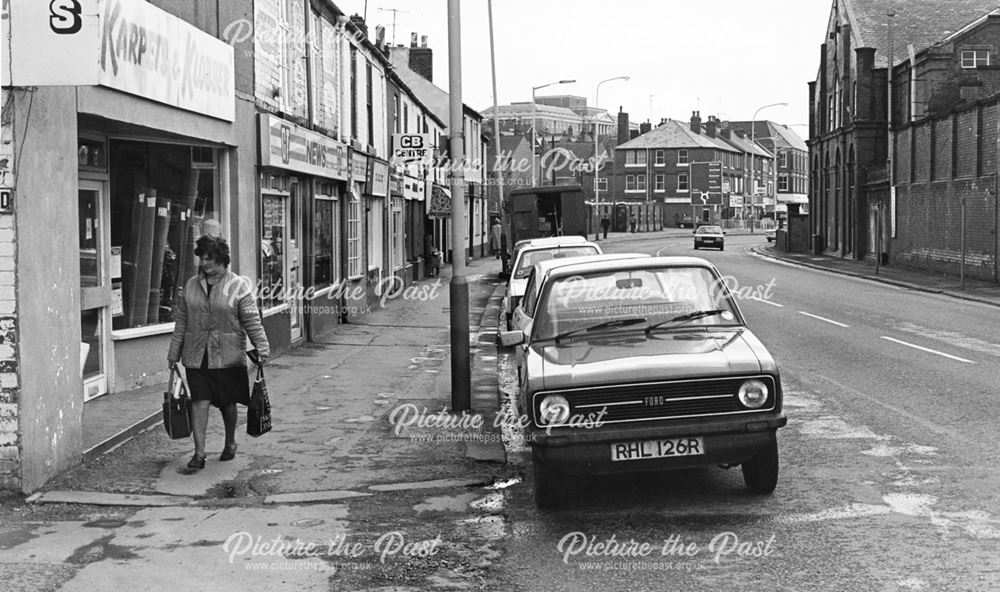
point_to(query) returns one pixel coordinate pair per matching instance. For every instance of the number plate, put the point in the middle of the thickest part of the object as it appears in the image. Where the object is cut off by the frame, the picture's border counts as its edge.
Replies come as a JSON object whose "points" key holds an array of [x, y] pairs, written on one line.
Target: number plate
{"points": [[657, 449]]}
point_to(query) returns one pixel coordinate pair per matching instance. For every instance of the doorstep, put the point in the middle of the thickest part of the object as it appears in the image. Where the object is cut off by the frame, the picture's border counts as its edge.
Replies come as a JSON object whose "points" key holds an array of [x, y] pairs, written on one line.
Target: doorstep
{"points": [[111, 419]]}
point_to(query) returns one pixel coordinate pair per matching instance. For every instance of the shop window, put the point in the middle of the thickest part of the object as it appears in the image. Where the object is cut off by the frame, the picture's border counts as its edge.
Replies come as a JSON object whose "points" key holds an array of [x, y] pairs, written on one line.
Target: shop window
{"points": [[272, 250], [354, 238], [325, 225], [375, 232], [162, 196]]}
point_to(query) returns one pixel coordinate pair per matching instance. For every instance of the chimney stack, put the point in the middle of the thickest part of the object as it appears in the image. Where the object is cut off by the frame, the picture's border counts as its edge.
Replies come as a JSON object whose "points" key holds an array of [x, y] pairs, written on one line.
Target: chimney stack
{"points": [[359, 22], [622, 126], [644, 127], [711, 126], [421, 58], [696, 122]]}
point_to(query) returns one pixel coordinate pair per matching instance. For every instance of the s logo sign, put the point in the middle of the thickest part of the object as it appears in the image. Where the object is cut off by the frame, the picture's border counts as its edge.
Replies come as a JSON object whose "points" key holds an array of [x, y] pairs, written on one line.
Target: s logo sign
{"points": [[64, 16]]}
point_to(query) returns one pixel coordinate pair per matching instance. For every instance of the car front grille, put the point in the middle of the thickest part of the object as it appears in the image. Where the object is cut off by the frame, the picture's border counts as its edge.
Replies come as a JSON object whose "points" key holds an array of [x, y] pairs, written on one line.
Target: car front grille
{"points": [[661, 400]]}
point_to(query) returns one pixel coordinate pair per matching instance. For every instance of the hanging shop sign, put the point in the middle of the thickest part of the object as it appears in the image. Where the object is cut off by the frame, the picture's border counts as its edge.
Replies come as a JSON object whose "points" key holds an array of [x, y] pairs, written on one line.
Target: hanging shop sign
{"points": [[127, 45], [413, 188], [407, 148], [378, 184], [440, 204], [285, 145]]}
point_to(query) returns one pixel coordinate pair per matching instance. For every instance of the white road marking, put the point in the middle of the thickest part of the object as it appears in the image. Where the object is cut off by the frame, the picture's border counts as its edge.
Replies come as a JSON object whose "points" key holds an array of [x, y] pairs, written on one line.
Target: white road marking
{"points": [[928, 350], [767, 302], [825, 320]]}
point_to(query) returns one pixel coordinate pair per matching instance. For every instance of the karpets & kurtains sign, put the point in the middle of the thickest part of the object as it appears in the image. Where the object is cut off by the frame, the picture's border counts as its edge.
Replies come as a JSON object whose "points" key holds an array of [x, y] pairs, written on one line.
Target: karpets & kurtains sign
{"points": [[128, 45]]}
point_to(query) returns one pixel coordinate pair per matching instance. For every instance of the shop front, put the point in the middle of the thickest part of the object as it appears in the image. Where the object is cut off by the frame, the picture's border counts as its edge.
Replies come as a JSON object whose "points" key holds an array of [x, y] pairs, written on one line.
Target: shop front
{"points": [[413, 214], [303, 179]]}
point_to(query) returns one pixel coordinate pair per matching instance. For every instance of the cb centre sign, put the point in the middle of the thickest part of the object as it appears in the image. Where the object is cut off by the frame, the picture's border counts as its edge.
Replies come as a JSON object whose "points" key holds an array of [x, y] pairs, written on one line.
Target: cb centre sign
{"points": [[407, 148]]}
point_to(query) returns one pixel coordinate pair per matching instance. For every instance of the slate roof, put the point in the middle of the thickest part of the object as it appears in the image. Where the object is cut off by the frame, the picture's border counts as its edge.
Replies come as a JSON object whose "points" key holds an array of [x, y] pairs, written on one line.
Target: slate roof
{"points": [[675, 134], [765, 129], [920, 22]]}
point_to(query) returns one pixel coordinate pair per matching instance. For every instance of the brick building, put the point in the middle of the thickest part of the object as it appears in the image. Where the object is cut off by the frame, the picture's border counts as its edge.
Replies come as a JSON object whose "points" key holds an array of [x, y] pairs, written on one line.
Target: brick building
{"points": [[853, 211]]}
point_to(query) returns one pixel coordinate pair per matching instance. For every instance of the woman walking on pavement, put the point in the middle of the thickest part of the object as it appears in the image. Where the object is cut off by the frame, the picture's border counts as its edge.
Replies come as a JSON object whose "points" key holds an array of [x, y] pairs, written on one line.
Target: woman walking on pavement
{"points": [[214, 316]]}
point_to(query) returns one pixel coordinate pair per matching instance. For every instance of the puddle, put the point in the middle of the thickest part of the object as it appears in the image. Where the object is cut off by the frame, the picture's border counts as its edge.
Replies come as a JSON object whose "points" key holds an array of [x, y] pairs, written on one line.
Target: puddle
{"points": [[910, 504], [504, 484], [447, 503], [362, 419], [884, 450], [847, 512], [307, 522], [105, 523], [837, 429], [492, 528], [493, 502]]}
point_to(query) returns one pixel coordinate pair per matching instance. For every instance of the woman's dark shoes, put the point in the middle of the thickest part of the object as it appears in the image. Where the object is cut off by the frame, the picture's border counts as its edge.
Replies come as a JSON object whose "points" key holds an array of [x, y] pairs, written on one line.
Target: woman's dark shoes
{"points": [[229, 452], [197, 462]]}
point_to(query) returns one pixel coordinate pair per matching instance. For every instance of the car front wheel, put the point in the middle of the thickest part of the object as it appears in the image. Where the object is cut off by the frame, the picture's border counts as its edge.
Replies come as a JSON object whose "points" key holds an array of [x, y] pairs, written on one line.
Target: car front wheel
{"points": [[550, 484], [760, 473]]}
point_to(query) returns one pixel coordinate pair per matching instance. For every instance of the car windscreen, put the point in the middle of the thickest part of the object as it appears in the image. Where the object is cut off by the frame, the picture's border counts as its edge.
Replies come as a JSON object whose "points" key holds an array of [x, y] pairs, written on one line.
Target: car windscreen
{"points": [[709, 230], [530, 258], [655, 295]]}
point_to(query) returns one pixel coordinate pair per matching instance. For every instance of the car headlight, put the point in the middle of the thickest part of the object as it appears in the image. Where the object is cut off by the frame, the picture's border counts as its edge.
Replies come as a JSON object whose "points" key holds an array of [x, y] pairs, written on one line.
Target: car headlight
{"points": [[553, 410], [753, 394]]}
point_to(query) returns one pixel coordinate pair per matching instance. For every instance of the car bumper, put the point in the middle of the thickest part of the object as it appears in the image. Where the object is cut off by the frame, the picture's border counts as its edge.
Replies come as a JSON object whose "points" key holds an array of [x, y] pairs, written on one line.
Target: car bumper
{"points": [[588, 452]]}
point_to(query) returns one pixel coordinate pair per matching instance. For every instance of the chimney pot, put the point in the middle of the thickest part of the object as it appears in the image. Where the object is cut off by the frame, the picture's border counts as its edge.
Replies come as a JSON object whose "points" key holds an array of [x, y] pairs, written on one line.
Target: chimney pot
{"points": [[423, 41], [413, 39]]}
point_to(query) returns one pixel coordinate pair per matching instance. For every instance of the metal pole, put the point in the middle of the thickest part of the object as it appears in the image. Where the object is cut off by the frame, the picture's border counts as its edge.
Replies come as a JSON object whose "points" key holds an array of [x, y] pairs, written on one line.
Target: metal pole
{"points": [[962, 267], [501, 201], [461, 379], [534, 140], [597, 187], [878, 235]]}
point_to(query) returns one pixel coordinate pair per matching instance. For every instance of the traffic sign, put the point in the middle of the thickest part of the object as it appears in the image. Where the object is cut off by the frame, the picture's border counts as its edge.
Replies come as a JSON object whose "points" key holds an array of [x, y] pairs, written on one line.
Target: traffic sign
{"points": [[706, 183]]}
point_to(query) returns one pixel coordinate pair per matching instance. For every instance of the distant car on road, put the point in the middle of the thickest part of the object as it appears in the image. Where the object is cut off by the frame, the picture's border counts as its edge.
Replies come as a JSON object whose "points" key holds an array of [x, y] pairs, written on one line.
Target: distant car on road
{"points": [[644, 364], [709, 236], [685, 221], [770, 234]]}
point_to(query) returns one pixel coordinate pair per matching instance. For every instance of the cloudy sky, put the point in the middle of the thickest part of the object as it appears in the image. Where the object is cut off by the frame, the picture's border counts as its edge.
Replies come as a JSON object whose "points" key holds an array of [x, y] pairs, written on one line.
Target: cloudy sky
{"points": [[722, 57]]}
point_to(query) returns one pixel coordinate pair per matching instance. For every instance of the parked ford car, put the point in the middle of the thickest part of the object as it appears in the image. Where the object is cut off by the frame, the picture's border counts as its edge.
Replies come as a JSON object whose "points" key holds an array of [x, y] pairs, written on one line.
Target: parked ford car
{"points": [[709, 236], [528, 254], [770, 234], [644, 364]]}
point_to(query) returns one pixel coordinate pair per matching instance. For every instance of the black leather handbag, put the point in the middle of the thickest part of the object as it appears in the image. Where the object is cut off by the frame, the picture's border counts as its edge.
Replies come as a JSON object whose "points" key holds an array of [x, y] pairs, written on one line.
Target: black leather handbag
{"points": [[177, 407], [259, 409]]}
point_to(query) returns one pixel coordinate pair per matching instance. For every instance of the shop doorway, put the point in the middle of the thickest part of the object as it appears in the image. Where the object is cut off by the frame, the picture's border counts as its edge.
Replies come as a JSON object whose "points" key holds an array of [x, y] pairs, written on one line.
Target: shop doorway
{"points": [[96, 302]]}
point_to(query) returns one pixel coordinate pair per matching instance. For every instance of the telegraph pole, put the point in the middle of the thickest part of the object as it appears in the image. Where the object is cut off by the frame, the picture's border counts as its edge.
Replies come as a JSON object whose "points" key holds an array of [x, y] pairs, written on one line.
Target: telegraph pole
{"points": [[461, 377]]}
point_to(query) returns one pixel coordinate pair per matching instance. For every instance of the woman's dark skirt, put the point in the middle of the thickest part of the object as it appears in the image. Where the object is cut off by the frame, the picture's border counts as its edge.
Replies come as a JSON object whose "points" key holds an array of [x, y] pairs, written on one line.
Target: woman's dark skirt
{"points": [[221, 386]]}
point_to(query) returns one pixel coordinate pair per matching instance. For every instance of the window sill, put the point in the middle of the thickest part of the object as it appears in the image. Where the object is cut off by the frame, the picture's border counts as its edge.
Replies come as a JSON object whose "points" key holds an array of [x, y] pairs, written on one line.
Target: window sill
{"points": [[151, 330]]}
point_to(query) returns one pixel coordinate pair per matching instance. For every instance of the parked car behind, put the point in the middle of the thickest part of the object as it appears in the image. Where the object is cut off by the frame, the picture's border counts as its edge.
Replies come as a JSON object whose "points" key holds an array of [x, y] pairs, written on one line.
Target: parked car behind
{"points": [[770, 234], [527, 254], [644, 364]]}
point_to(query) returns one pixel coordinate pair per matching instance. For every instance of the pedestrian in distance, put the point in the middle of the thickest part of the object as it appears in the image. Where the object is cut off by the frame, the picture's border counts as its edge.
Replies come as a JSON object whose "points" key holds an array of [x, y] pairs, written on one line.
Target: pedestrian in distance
{"points": [[215, 314], [633, 221], [605, 224], [496, 230]]}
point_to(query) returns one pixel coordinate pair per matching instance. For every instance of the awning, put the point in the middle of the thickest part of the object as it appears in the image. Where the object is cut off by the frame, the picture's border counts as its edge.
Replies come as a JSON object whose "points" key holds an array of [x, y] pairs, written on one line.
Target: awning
{"points": [[440, 203], [793, 198]]}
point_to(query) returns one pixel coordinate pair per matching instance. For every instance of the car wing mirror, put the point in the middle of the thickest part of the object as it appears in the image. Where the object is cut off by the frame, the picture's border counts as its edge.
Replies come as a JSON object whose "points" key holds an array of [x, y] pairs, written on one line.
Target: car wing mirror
{"points": [[511, 338]]}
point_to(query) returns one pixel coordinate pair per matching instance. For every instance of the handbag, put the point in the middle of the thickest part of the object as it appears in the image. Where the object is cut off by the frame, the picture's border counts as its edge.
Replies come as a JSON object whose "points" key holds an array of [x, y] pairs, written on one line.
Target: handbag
{"points": [[259, 409], [176, 407]]}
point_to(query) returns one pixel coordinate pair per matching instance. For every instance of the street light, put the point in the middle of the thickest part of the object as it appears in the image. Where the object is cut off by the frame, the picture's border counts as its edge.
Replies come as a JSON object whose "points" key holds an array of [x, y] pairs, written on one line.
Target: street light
{"points": [[753, 144], [534, 110], [597, 186]]}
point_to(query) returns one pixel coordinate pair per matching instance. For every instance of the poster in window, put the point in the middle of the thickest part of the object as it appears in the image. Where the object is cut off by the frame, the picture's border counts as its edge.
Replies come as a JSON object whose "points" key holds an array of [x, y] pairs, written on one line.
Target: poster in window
{"points": [[117, 303], [116, 263]]}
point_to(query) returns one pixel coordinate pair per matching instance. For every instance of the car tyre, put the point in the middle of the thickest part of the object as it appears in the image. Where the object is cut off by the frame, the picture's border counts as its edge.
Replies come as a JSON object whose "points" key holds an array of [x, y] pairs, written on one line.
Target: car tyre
{"points": [[550, 484], [722, 248], [760, 473]]}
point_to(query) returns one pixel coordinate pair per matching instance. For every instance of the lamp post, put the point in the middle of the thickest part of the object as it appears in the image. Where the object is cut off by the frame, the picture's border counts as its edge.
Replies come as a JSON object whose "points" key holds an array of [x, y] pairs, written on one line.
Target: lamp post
{"points": [[597, 186], [753, 145], [534, 110]]}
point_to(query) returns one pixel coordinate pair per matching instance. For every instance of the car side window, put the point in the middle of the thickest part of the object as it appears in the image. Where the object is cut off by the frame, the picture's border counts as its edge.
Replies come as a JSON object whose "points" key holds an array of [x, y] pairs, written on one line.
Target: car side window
{"points": [[530, 295]]}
